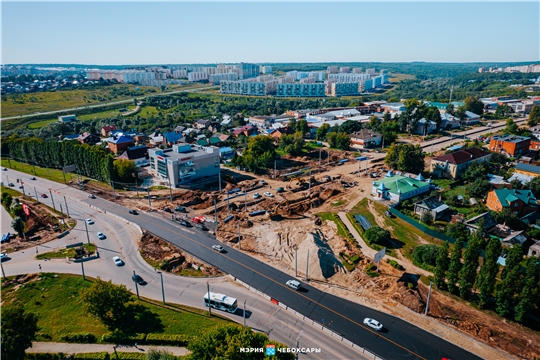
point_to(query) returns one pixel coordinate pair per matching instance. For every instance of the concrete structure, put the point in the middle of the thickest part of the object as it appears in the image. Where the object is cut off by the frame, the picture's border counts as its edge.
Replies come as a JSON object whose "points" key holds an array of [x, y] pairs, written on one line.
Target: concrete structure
{"points": [[521, 202], [527, 169], [424, 127], [454, 164], [397, 188], [300, 90], [510, 145], [248, 71], [65, 119], [365, 139], [216, 79], [332, 69], [534, 250], [197, 76], [345, 69], [248, 87], [184, 163], [348, 78], [357, 70], [265, 69], [432, 205]]}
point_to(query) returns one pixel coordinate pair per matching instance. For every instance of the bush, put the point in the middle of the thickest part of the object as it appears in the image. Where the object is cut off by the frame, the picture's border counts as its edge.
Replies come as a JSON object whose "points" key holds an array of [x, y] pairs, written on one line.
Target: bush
{"points": [[355, 259], [93, 356], [376, 235], [115, 338], [426, 254], [44, 356], [395, 264], [168, 339], [130, 356], [85, 338]]}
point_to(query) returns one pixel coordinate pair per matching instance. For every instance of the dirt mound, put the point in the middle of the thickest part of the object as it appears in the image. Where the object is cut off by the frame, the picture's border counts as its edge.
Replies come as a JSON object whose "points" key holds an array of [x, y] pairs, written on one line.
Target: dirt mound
{"points": [[411, 298], [328, 193], [21, 279]]}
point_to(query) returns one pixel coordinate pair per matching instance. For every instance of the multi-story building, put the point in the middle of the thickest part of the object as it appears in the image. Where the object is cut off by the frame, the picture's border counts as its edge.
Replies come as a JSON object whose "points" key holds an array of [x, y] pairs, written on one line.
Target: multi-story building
{"points": [[520, 202], [345, 70], [138, 76], [266, 69], [345, 89], [454, 164], [285, 80], [357, 70], [348, 78], [179, 74], [383, 72], [248, 71], [248, 87], [317, 75], [184, 163], [198, 76], [216, 79], [366, 138], [300, 90], [366, 85], [308, 80], [510, 145], [332, 69], [370, 71]]}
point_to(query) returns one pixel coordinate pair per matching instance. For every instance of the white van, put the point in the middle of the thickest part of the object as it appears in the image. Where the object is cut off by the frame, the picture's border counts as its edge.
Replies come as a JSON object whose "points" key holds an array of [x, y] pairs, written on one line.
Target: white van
{"points": [[295, 284]]}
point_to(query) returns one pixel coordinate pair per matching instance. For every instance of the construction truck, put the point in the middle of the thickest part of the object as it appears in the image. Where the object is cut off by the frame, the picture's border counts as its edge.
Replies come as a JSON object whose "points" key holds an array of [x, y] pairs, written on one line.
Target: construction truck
{"points": [[274, 212]]}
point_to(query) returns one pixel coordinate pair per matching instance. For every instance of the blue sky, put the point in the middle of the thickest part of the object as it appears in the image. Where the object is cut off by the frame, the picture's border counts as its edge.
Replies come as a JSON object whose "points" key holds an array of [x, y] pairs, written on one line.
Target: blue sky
{"points": [[206, 32]]}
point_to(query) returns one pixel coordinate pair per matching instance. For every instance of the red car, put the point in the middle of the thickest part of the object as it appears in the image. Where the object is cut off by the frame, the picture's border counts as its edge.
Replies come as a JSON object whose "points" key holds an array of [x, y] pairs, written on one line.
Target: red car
{"points": [[44, 196]]}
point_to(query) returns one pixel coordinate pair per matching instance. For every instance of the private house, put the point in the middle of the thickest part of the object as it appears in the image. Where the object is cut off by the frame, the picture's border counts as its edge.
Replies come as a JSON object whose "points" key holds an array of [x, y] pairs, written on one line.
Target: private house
{"points": [[71, 137], [179, 129], [485, 220], [365, 139], [527, 169], [138, 154], [173, 138], [521, 202], [498, 182], [471, 118], [510, 145], [534, 250], [278, 133], [246, 130], [140, 138], [260, 121], [201, 124], [425, 127], [156, 138], [454, 164], [105, 131], [432, 205], [535, 131], [118, 144], [449, 121], [226, 153], [214, 127], [87, 138], [535, 145], [396, 188]]}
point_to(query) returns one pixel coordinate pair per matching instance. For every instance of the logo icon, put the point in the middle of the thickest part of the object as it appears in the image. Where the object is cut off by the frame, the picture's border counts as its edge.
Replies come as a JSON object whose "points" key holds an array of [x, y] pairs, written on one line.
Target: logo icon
{"points": [[270, 350]]}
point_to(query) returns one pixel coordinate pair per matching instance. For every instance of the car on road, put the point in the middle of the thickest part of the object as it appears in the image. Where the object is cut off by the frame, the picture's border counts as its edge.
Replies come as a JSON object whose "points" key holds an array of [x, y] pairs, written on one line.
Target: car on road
{"points": [[133, 212], [201, 226], [21, 187], [280, 190], [101, 236], [118, 261], [269, 194], [44, 196], [372, 323], [32, 178], [11, 185], [4, 169], [167, 210], [256, 195], [295, 284], [92, 196], [180, 209], [3, 256], [185, 223], [218, 248], [139, 280], [89, 221]]}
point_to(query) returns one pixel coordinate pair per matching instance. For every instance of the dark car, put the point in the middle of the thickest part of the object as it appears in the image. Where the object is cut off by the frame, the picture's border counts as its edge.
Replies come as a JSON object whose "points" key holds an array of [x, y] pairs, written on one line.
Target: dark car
{"points": [[185, 223], [11, 185], [180, 209], [167, 210], [133, 212], [280, 189], [201, 226], [44, 196], [92, 196], [139, 280]]}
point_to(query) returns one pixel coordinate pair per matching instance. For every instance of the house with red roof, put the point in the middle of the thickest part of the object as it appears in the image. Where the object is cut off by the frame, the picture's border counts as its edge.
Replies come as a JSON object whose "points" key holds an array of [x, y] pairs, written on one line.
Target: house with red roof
{"points": [[246, 130], [454, 164]]}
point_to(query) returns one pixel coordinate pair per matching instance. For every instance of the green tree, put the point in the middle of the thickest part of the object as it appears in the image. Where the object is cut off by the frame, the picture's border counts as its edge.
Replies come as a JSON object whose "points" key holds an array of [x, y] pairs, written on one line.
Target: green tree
{"points": [[534, 116], [154, 354], [458, 230], [292, 144], [474, 105], [302, 127], [478, 188], [124, 170], [292, 123], [511, 127], [224, 342], [530, 290], [108, 302], [426, 217], [19, 329], [477, 170], [488, 272], [377, 235], [510, 281], [467, 274], [534, 186], [426, 254], [405, 157], [6, 199], [18, 225], [322, 131], [455, 265], [450, 109], [339, 140], [374, 123], [442, 262], [350, 126], [503, 111], [17, 210], [259, 153]]}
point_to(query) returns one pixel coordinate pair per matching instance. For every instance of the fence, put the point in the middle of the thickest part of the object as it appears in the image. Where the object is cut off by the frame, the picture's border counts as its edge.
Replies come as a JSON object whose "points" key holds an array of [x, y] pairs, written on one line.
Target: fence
{"points": [[421, 227]]}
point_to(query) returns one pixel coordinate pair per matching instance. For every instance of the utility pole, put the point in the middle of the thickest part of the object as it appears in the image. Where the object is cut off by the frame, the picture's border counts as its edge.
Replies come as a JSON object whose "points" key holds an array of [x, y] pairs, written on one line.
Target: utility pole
{"points": [[307, 264], [239, 244], [228, 212], [114, 194], [87, 236], [296, 261], [298, 343], [170, 188], [274, 169], [35, 192], [63, 219], [148, 191], [244, 312], [82, 269], [3, 273], [451, 90], [208, 294], [320, 149], [215, 215], [136, 285], [428, 297], [67, 210], [219, 175], [162, 287], [22, 185], [245, 200], [328, 160], [358, 168]]}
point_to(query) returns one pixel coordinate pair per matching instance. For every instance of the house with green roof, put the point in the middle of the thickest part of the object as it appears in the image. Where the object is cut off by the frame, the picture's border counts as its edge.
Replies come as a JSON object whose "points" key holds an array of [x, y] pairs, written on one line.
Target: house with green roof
{"points": [[521, 202], [398, 187]]}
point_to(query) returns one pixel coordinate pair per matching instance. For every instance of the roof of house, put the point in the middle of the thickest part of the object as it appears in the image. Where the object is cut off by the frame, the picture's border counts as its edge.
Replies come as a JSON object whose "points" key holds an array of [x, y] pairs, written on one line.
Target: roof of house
{"points": [[364, 134], [507, 196], [528, 167], [108, 128], [225, 149], [71, 137], [448, 117], [510, 138], [460, 157], [179, 128], [120, 139], [172, 137], [214, 140], [242, 129], [134, 152], [202, 121], [85, 136], [202, 142], [401, 184], [489, 221], [432, 203]]}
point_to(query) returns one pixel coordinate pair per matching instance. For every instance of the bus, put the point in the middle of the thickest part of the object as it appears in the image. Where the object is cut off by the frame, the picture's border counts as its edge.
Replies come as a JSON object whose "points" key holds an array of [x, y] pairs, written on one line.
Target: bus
{"points": [[220, 302]]}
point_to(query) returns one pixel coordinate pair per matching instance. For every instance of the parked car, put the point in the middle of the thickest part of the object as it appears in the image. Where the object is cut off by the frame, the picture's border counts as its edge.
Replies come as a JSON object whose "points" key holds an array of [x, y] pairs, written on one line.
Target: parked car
{"points": [[167, 210], [263, 182], [11, 185], [92, 196], [139, 280], [4, 169], [180, 209], [21, 187], [133, 212], [201, 226], [185, 223], [118, 261], [89, 221], [269, 194], [256, 195], [3, 256], [372, 323], [101, 236], [44, 196], [218, 248], [295, 284], [32, 178], [280, 190]]}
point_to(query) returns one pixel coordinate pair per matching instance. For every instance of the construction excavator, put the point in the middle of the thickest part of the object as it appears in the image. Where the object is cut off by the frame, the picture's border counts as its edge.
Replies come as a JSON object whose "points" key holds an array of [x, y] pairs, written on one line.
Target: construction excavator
{"points": [[302, 182], [274, 213]]}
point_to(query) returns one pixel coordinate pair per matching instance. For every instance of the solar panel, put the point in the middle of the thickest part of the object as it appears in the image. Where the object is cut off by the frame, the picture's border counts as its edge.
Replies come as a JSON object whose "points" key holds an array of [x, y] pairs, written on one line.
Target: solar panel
{"points": [[363, 221]]}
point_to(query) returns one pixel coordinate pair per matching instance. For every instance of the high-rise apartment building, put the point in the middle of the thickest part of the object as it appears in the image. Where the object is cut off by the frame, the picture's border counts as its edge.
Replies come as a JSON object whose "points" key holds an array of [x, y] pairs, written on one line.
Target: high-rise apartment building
{"points": [[266, 69], [370, 71], [357, 70], [332, 69], [345, 70], [345, 89], [300, 90], [247, 71]]}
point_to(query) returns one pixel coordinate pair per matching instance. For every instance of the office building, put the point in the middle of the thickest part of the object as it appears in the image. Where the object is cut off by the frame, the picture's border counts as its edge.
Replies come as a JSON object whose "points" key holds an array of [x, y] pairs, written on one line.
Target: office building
{"points": [[248, 71], [184, 163], [300, 90]]}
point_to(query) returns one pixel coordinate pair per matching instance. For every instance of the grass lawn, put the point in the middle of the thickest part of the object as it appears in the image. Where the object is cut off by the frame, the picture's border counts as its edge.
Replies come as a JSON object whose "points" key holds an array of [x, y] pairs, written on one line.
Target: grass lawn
{"points": [[11, 191], [61, 254], [340, 226], [57, 301], [40, 124]]}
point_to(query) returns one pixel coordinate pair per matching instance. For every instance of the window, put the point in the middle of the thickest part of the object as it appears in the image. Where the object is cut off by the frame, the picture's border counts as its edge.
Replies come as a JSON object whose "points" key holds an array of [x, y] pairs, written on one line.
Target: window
{"points": [[515, 204]]}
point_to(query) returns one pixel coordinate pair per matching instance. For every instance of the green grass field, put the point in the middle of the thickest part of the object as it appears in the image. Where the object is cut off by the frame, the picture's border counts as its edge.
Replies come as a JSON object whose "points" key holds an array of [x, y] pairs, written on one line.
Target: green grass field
{"points": [[58, 303], [40, 124], [61, 254]]}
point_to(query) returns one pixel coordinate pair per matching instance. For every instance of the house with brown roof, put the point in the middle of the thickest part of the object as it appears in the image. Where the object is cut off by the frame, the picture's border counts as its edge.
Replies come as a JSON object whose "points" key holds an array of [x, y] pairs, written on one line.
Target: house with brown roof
{"points": [[244, 130], [454, 164], [107, 129], [278, 133], [365, 138], [87, 138]]}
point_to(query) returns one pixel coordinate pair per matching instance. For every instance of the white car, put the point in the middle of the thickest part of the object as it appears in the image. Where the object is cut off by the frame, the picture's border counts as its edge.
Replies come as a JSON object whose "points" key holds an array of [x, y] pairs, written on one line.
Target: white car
{"points": [[218, 248], [118, 261], [372, 323], [256, 195], [89, 221], [269, 194], [100, 235], [295, 284]]}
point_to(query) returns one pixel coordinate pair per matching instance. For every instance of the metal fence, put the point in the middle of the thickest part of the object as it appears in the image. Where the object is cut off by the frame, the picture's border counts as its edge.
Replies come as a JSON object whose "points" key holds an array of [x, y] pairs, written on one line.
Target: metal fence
{"points": [[421, 227]]}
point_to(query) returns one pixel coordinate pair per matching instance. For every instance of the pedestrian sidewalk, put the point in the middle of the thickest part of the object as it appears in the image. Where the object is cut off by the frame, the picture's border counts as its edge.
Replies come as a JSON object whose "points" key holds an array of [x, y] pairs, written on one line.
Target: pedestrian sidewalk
{"points": [[69, 348]]}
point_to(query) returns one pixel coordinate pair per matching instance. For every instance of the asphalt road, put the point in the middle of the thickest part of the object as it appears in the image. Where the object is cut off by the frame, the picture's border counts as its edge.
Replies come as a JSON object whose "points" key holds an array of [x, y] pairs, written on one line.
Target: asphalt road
{"points": [[398, 340]]}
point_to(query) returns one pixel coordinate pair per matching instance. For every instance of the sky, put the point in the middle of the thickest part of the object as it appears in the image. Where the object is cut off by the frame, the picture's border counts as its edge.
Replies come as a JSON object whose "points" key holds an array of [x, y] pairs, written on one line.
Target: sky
{"points": [[117, 33]]}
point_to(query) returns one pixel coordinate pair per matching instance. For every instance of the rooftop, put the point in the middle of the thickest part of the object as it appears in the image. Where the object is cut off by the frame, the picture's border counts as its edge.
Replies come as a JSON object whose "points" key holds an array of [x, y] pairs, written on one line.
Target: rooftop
{"points": [[460, 157], [529, 168], [401, 184], [506, 196], [182, 152], [510, 138]]}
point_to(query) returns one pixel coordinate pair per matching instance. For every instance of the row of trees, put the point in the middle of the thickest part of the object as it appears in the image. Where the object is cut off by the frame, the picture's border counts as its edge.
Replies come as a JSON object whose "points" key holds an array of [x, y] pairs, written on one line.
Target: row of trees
{"points": [[405, 157]]}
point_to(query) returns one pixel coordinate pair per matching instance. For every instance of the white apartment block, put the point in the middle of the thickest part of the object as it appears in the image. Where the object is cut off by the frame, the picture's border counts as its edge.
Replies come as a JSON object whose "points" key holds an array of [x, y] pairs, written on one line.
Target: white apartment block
{"points": [[357, 70], [266, 69], [286, 80], [318, 75], [345, 70], [138, 76], [264, 78], [332, 69], [370, 71], [179, 74], [197, 76], [300, 90], [216, 79], [348, 78], [308, 80]]}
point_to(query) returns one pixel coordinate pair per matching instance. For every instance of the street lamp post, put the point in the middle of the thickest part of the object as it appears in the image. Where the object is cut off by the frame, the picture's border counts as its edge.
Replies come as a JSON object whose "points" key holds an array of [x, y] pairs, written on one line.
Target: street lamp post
{"points": [[82, 268], [162, 287], [87, 236], [67, 210], [63, 218], [208, 294], [148, 191], [50, 192], [35, 192], [428, 297], [307, 264], [244, 312], [298, 342], [136, 285]]}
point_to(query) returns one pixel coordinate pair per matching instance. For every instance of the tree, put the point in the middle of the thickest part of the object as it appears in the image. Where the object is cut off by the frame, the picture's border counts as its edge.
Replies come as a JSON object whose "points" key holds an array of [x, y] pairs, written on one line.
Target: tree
{"points": [[488, 272], [224, 342], [124, 170], [426, 254], [455, 265], [18, 330], [302, 127], [18, 225], [6, 199], [511, 127], [467, 274], [292, 144], [534, 116], [426, 217], [478, 188], [477, 170], [530, 290], [534, 186], [374, 123], [450, 109], [441, 264], [508, 217], [377, 235], [458, 230], [154, 354], [503, 111], [405, 157], [350, 126], [108, 302], [322, 131], [259, 153], [510, 281], [292, 123], [474, 105], [339, 140]]}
